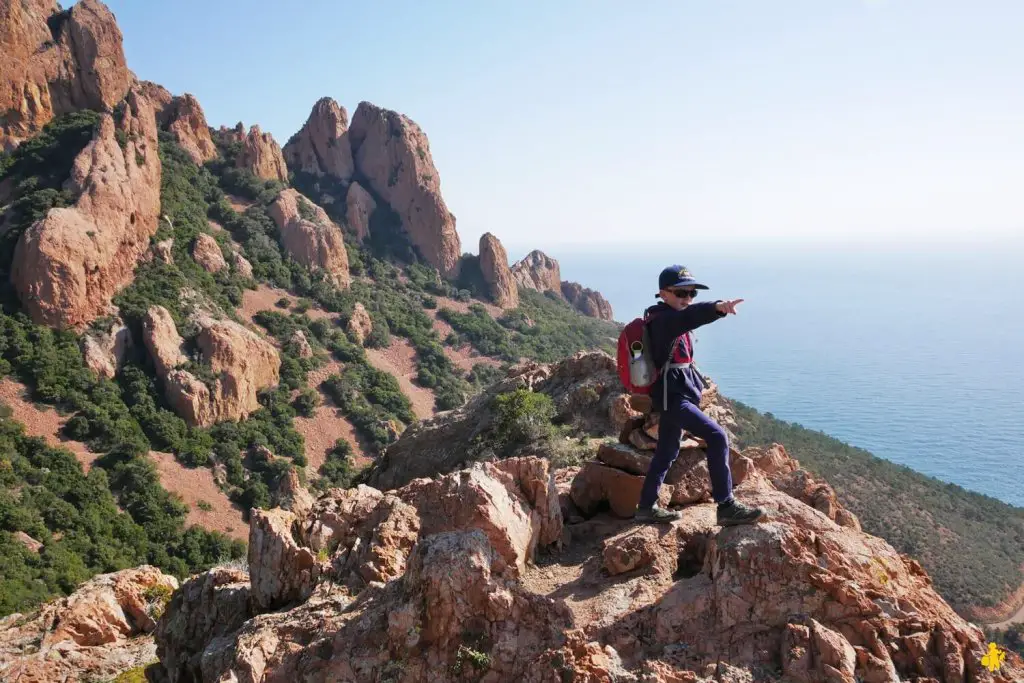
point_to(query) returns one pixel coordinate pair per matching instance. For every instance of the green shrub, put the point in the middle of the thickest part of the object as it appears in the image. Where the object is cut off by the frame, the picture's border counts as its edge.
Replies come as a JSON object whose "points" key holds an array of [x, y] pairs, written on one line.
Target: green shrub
{"points": [[337, 470], [306, 402], [521, 417]]}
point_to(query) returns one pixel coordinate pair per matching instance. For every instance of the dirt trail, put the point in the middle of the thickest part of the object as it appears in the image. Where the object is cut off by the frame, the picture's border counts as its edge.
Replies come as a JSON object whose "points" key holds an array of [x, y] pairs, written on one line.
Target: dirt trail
{"points": [[1017, 597]]}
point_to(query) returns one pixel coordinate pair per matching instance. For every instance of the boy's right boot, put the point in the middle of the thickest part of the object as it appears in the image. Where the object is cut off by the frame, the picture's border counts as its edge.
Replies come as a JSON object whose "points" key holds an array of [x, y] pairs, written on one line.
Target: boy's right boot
{"points": [[656, 514], [735, 512]]}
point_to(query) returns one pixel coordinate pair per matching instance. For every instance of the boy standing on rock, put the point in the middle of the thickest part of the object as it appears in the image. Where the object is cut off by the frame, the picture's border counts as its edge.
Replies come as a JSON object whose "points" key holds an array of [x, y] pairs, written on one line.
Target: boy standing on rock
{"points": [[676, 395]]}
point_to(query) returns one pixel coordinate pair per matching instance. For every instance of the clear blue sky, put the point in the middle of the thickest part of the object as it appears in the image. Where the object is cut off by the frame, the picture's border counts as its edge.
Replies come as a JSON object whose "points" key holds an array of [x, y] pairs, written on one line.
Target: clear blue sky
{"points": [[572, 123]]}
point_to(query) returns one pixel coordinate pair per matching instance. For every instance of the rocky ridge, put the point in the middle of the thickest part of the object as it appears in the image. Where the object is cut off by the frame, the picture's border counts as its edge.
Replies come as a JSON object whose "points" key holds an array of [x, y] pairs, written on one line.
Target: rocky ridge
{"points": [[474, 574], [540, 272], [68, 266]]}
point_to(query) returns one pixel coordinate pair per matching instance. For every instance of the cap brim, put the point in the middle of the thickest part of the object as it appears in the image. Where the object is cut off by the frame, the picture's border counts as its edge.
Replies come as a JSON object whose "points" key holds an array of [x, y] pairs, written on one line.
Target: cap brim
{"points": [[689, 283]]}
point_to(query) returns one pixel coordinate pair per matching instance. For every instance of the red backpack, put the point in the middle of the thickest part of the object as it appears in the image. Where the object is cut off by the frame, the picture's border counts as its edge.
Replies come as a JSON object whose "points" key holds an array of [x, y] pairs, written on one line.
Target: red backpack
{"points": [[635, 363]]}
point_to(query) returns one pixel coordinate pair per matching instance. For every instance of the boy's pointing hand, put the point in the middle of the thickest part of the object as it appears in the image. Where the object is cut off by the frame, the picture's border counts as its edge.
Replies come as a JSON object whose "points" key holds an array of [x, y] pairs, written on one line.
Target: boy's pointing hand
{"points": [[729, 306]]}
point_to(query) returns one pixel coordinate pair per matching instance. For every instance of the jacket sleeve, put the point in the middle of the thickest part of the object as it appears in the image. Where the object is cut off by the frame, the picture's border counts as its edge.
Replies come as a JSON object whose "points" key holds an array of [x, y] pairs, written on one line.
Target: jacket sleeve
{"points": [[691, 317]]}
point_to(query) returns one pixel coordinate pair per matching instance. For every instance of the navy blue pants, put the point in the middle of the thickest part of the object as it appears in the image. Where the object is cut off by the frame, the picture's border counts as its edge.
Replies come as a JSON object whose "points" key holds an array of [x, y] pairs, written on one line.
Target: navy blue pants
{"points": [[685, 415]]}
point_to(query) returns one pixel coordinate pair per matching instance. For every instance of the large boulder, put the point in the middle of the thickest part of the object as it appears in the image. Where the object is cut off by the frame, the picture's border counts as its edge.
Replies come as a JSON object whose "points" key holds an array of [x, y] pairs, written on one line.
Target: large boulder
{"points": [[55, 62], [538, 271], [360, 324], [359, 206], [496, 272], [309, 235], [241, 362], [262, 155], [393, 154], [207, 254], [586, 301], [321, 147], [68, 265], [105, 350], [95, 633]]}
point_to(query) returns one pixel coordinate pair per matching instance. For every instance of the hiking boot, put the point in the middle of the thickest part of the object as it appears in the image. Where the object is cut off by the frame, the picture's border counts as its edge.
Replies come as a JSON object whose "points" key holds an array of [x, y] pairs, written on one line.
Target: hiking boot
{"points": [[738, 513], [656, 514]]}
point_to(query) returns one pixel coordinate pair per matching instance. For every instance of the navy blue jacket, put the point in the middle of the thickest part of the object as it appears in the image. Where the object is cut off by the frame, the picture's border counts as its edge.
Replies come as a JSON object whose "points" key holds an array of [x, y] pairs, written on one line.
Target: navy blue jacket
{"points": [[668, 330]]}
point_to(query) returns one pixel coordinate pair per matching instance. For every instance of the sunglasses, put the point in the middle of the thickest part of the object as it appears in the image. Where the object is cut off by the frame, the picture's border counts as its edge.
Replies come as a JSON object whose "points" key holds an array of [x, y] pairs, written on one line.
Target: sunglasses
{"points": [[684, 293]]}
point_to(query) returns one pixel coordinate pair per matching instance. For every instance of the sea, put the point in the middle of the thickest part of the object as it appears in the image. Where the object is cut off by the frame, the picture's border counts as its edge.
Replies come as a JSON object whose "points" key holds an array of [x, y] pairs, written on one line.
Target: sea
{"points": [[914, 355]]}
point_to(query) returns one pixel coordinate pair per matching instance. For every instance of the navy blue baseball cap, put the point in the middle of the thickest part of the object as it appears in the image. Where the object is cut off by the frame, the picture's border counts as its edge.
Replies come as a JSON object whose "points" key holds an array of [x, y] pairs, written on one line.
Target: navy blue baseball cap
{"points": [[677, 276]]}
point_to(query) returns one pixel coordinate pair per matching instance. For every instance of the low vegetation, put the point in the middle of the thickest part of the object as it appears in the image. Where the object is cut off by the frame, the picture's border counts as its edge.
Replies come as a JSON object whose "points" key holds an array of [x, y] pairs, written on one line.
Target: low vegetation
{"points": [[972, 545]]}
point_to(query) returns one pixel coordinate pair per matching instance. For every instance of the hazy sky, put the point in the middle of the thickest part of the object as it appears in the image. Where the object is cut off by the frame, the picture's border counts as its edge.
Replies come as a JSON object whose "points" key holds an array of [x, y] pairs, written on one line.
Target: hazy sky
{"points": [[577, 122]]}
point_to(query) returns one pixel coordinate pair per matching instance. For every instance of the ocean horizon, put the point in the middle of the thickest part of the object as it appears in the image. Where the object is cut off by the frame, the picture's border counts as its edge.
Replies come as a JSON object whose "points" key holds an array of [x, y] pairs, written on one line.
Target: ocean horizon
{"points": [[912, 355]]}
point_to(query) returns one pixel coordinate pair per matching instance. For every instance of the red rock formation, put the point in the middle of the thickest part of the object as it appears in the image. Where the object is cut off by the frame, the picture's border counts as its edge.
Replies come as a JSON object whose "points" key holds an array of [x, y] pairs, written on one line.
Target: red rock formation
{"points": [[498, 276], [242, 362], [309, 235], [262, 155], [95, 633], [393, 154], [105, 351], [207, 254], [586, 301], [360, 325], [428, 582], [321, 146], [359, 206], [186, 121], [69, 265], [56, 62], [538, 271]]}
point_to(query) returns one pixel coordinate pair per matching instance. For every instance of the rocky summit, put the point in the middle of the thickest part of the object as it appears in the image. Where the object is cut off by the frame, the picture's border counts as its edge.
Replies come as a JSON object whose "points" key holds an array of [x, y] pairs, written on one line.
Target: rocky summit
{"points": [[492, 573], [496, 272]]}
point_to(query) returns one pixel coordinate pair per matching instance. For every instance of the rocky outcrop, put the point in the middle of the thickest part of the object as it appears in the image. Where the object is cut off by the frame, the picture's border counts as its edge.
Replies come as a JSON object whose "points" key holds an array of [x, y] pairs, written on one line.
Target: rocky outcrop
{"points": [[68, 266], [586, 301], [105, 350], [186, 121], [95, 633], [241, 264], [359, 206], [207, 254], [301, 345], [360, 325], [501, 284], [310, 237], [262, 155], [55, 62], [393, 154], [538, 271], [321, 146], [426, 583], [448, 550], [583, 388], [242, 363]]}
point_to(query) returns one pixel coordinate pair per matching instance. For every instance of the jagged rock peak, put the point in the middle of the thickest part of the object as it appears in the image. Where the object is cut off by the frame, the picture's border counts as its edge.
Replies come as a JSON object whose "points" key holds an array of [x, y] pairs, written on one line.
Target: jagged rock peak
{"points": [[322, 146], [55, 62], [494, 266], [262, 155], [538, 271], [393, 154], [68, 266], [586, 301]]}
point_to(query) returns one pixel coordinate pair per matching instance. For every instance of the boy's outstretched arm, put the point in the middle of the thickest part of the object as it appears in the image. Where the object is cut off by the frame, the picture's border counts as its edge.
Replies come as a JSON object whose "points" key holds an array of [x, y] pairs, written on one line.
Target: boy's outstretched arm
{"points": [[698, 314]]}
